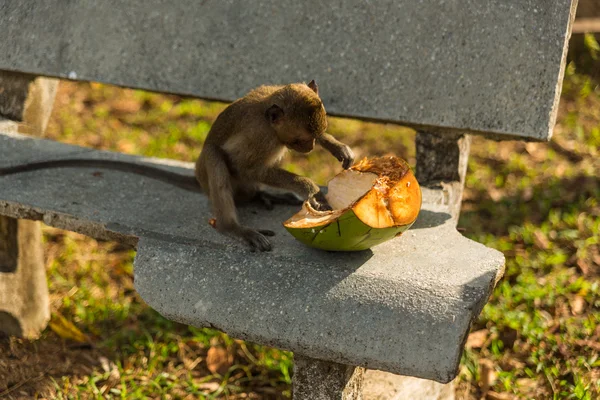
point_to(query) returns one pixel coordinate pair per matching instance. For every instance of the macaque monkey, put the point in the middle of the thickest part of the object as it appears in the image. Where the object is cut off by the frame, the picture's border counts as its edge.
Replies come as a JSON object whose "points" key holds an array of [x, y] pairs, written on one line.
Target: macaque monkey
{"points": [[246, 143], [241, 155]]}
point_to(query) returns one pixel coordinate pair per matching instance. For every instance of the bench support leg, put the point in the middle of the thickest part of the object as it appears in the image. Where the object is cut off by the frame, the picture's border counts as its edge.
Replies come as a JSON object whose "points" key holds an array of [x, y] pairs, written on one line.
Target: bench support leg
{"points": [[322, 380], [24, 302], [442, 160], [24, 305]]}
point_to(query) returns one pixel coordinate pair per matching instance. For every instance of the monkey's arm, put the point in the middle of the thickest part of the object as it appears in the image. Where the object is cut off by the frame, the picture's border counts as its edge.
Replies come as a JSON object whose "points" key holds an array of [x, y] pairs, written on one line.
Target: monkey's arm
{"points": [[338, 149], [220, 192], [281, 178]]}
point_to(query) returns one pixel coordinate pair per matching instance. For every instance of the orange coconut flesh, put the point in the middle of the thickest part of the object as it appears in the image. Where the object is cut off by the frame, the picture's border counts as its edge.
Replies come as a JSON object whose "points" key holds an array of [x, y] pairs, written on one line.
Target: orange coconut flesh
{"points": [[382, 192]]}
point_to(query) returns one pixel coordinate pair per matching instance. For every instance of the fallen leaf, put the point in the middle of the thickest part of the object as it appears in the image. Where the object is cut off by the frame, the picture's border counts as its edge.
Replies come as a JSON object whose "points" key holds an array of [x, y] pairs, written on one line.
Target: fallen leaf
{"points": [[527, 194], [584, 266], [577, 305], [495, 194], [540, 240], [477, 339], [499, 396], [527, 383], [209, 386], [588, 343], [213, 222], [126, 106], [109, 366], [218, 360], [65, 329], [487, 374], [596, 258], [126, 146], [511, 364]]}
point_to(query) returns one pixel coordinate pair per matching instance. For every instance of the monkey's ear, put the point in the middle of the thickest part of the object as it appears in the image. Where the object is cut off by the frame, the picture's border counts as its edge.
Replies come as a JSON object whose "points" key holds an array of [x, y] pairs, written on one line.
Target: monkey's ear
{"points": [[313, 85], [274, 113]]}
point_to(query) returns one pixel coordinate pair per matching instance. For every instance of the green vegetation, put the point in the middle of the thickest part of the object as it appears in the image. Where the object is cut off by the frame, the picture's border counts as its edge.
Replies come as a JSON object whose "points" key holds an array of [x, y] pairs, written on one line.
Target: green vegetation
{"points": [[538, 338]]}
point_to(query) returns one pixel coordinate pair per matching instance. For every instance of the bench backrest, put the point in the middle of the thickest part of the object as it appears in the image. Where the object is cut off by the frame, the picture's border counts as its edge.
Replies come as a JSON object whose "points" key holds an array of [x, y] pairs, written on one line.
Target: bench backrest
{"points": [[491, 67]]}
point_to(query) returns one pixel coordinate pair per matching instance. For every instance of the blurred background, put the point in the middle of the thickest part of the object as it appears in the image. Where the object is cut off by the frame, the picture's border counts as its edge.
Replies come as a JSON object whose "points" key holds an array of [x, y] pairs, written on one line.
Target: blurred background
{"points": [[538, 203]]}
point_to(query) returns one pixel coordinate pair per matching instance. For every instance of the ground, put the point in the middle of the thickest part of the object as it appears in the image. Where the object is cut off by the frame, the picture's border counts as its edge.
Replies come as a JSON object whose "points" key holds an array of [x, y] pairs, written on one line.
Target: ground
{"points": [[538, 338]]}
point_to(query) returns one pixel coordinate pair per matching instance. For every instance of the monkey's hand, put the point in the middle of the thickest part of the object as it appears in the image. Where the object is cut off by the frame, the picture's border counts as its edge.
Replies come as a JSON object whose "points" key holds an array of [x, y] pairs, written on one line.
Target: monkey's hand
{"points": [[345, 156], [319, 202], [339, 150]]}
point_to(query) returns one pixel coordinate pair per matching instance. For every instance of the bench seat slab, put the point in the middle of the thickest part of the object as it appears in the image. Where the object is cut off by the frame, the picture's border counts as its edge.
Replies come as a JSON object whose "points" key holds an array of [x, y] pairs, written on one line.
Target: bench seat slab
{"points": [[403, 307]]}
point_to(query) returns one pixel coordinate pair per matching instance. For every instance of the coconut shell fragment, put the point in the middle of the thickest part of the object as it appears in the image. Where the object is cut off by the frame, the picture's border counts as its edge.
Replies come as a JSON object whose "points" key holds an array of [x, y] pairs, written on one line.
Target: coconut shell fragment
{"points": [[375, 200]]}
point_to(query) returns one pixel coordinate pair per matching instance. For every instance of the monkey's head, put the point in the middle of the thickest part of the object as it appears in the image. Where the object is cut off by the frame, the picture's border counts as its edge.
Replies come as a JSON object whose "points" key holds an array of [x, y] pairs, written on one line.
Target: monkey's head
{"points": [[298, 116]]}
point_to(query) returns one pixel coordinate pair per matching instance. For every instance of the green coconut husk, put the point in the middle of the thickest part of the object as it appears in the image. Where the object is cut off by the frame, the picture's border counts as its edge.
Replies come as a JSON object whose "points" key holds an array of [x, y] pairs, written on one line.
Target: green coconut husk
{"points": [[375, 200]]}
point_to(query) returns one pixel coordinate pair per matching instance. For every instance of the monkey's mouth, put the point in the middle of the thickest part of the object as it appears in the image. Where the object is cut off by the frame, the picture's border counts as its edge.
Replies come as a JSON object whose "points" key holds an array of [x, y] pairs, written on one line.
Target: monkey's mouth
{"points": [[375, 199]]}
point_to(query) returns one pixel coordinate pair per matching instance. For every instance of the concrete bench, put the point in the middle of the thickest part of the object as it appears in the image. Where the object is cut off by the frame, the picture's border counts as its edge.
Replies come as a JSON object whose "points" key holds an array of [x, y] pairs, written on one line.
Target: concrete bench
{"points": [[448, 68]]}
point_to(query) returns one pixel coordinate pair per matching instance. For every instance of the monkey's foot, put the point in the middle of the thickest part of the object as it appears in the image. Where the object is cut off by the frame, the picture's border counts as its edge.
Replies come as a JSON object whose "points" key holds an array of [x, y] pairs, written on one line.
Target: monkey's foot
{"points": [[257, 240], [269, 199]]}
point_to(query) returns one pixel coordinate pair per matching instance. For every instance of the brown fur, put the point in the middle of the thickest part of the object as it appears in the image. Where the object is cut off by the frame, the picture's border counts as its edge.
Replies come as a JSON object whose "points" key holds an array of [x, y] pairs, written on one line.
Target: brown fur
{"points": [[246, 143]]}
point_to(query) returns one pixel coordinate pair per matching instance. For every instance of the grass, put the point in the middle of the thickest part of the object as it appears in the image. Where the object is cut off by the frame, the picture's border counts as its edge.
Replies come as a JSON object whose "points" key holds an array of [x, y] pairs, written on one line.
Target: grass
{"points": [[538, 337]]}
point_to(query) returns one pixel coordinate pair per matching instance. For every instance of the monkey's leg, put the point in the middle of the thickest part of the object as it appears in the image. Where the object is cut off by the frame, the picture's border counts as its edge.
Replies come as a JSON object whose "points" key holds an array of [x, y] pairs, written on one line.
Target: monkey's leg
{"points": [[339, 150], [278, 177], [221, 198]]}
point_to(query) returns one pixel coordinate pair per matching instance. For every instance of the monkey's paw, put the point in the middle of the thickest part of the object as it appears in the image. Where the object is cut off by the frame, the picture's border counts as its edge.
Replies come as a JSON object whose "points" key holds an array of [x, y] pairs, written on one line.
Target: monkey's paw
{"points": [[319, 202], [346, 157], [257, 240]]}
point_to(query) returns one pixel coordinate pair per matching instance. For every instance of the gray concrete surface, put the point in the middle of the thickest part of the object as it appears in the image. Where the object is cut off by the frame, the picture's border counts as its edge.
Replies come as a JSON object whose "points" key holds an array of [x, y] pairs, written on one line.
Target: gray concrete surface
{"points": [[321, 380], [405, 306], [491, 67]]}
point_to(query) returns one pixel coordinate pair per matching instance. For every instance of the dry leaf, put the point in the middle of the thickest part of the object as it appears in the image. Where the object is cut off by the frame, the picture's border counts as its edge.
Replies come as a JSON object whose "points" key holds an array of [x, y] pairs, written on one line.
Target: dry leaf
{"points": [[540, 240], [584, 266], [495, 194], [596, 257], [213, 222], [487, 374], [210, 386], [218, 360], [577, 305], [592, 344], [477, 339], [126, 106], [527, 194], [65, 329], [510, 364], [109, 366], [499, 396]]}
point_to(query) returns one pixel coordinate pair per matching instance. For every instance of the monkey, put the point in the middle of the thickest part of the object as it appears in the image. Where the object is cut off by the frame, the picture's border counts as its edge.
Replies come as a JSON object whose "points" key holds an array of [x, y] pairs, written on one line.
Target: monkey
{"points": [[246, 143], [241, 154]]}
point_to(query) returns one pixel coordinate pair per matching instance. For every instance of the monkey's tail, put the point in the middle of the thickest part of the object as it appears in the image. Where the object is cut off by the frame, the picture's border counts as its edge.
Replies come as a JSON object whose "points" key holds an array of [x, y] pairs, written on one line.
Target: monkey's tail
{"points": [[180, 180]]}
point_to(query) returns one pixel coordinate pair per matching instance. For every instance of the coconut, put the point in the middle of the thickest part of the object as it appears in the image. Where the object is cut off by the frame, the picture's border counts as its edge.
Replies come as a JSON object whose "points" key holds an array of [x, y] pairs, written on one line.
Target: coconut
{"points": [[375, 200]]}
